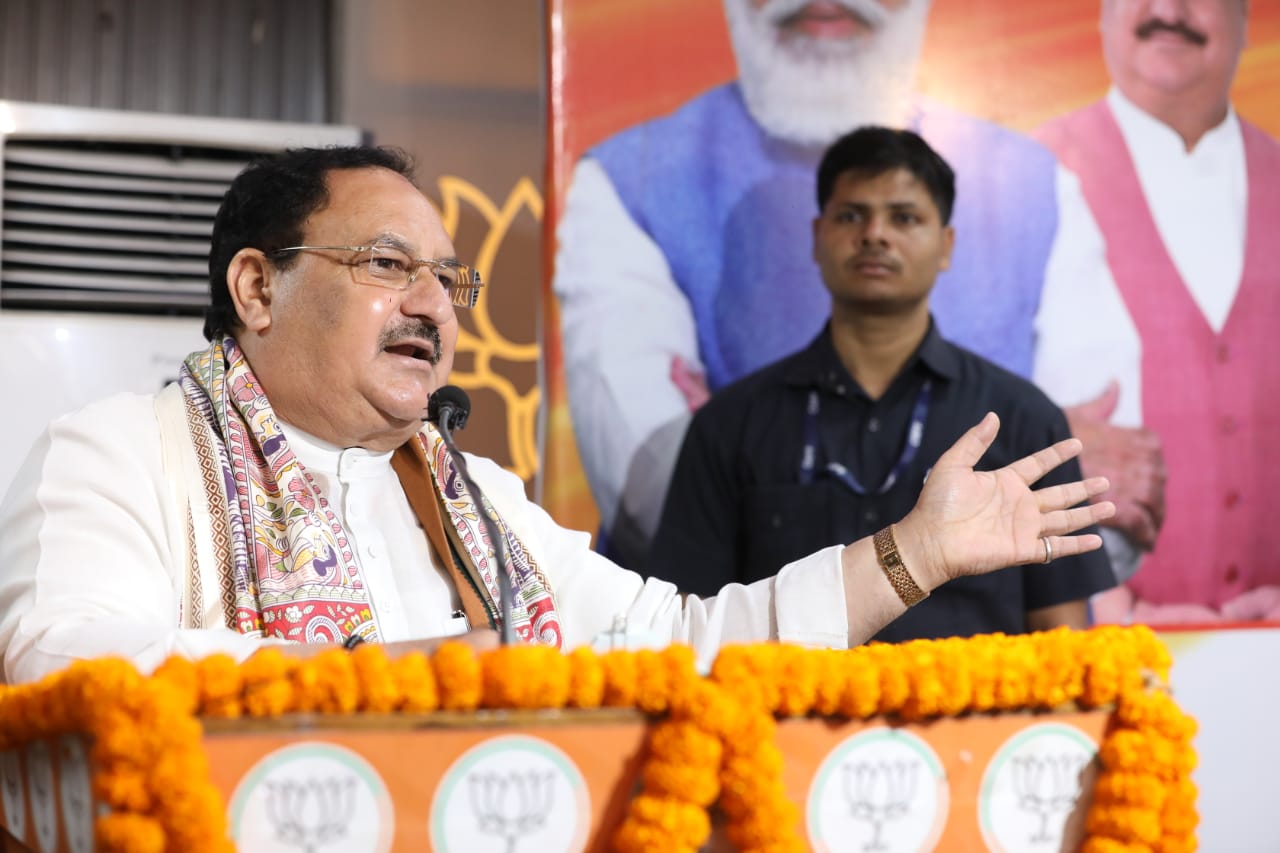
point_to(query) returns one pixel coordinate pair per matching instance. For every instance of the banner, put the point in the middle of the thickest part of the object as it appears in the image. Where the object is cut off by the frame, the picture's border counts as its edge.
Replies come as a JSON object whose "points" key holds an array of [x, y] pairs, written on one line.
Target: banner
{"points": [[682, 143]]}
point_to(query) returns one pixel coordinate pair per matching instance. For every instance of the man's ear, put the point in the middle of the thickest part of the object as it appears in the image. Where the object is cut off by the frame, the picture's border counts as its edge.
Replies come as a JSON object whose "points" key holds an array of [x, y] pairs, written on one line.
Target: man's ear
{"points": [[250, 280], [949, 240], [813, 250]]}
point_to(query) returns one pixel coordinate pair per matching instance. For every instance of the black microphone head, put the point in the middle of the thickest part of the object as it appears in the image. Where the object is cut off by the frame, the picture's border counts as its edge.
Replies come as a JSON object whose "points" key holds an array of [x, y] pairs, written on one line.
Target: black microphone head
{"points": [[451, 403]]}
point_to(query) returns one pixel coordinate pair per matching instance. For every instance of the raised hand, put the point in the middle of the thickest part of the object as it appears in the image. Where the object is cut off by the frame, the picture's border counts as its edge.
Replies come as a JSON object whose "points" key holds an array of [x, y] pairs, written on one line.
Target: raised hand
{"points": [[970, 522]]}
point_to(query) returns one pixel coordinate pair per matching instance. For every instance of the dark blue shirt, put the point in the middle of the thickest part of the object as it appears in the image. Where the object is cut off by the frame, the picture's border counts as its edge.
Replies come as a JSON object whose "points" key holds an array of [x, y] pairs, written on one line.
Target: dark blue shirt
{"points": [[736, 510]]}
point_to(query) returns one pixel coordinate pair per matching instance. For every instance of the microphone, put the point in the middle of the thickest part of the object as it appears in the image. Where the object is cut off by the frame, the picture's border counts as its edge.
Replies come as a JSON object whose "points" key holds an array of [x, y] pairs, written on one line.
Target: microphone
{"points": [[448, 408]]}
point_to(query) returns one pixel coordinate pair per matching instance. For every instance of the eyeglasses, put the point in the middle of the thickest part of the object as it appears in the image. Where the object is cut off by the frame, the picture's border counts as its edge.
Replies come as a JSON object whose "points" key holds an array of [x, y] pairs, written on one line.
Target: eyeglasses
{"points": [[385, 265]]}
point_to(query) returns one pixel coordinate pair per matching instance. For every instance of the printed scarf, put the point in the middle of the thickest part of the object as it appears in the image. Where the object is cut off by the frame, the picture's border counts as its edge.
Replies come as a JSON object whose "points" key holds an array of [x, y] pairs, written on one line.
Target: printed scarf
{"points": [[286, 563]]}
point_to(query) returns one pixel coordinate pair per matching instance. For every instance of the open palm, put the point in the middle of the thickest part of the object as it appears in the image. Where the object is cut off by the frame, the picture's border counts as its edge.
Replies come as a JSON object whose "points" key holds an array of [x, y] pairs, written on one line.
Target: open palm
{"points": [[972, 522]]}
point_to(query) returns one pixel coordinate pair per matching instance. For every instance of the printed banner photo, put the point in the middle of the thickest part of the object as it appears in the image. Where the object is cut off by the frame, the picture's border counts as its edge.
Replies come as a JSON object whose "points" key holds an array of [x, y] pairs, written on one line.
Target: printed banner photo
{"points": [[1116, 184]]}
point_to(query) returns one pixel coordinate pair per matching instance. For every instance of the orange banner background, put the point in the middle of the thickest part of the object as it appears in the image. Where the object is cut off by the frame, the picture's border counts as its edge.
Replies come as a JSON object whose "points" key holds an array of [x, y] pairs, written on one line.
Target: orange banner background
{"points": [[617, 62], [412, 760]]}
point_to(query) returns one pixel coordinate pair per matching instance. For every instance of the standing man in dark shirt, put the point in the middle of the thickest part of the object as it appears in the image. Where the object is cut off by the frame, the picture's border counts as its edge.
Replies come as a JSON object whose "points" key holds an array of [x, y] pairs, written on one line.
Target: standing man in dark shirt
{"points": [[830, 444]]}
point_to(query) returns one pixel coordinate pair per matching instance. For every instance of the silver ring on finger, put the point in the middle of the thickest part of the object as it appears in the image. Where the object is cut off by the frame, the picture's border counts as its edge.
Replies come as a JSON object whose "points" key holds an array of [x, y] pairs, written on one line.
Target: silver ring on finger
{"points": [[1048, 549]]}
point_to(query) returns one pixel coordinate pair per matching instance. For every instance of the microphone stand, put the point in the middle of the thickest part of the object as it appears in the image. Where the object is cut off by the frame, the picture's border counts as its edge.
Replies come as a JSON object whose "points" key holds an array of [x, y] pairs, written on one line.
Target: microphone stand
{"points": [[506, 596]]}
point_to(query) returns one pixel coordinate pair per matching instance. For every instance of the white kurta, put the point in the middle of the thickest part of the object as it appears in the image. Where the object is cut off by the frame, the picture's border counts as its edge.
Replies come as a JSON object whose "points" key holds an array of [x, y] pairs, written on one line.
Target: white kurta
{"points": [[1086, 337], [1198, 200], [93, 559]]}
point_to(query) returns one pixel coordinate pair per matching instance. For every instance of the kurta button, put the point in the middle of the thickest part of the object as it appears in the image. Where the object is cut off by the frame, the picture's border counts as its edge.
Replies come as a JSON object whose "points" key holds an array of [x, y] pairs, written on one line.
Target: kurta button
{"points": [[1232, 498], [1229, 425], [776, 520], [1233, 573], [870, 516], [1224, 353], [873, 425]]}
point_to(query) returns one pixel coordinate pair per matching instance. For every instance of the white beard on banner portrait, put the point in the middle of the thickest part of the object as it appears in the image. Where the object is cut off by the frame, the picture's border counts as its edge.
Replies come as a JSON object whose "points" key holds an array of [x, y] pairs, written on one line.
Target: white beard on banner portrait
{"points": [[811, 70]]}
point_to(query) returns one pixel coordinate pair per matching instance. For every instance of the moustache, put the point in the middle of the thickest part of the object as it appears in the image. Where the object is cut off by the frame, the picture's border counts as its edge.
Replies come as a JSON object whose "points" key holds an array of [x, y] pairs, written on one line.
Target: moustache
{"points": [[1154, 25], [412, 329], [879, 258], [781, 13]]}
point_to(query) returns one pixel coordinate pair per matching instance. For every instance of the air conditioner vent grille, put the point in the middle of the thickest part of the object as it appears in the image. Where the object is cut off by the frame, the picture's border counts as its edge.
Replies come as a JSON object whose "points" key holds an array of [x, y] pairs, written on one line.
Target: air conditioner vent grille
{"points": [[115, 226]]}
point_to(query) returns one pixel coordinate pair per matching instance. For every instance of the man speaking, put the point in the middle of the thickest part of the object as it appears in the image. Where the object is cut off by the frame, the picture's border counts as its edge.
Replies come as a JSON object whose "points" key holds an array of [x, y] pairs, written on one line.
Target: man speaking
{"points": [[286, 491]]}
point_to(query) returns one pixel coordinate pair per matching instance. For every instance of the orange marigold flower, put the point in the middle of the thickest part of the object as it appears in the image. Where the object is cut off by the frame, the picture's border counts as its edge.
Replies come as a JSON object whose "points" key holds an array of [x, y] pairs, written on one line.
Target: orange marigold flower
{"points": [[772, 820], [196, 821], [955, 673], [101, 681], [685, 824], [1099, 844], [619, 679], [714, 709], [747, 781], [1177, 844], [861, 698], [653, 682], [415, 683], [377, 690], [183, 675], [895, 684], [458, 676], [121, 787], [304, 684], [687, 743], [1182, 793], [789, 844], [754, 735], [831, 679], [586, 678], [1128, 824], [749, 673], [330, 682], [220, 685], [635, 836], [919, 662], [1177, 823], [524, 676], [797, 674], [1130, 788], [268, 682], [698, 785], [116, 736], [128, 833], [1156, 711], [1101, 682]]}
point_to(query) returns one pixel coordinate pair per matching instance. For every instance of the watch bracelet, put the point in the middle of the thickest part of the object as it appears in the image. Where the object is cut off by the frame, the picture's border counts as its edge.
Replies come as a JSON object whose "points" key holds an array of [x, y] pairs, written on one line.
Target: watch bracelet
{"points": [[895, 570]]}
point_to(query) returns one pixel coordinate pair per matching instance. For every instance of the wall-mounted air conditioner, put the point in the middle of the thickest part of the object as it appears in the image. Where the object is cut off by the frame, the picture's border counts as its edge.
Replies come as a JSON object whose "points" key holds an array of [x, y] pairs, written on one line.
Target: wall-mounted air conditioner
{"points": [[104, 242]]}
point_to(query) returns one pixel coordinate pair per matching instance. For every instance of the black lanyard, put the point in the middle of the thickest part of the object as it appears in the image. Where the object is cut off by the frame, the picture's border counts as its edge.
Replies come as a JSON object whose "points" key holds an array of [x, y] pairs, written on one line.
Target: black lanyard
{"points": [[809, 458]]}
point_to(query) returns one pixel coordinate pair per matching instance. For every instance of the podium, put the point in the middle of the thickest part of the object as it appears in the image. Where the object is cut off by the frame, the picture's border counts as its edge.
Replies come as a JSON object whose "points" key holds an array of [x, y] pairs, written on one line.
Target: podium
{"points": [[1061, 740]]}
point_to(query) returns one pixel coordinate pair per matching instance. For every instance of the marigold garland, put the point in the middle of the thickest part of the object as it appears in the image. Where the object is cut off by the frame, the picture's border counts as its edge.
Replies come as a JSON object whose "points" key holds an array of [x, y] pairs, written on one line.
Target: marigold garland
{"points": [[715, 743]]}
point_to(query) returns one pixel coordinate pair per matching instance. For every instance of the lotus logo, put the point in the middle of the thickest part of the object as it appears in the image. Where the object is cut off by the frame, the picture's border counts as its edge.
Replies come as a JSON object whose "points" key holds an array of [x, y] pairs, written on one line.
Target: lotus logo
{"points": [[879, 792], [511, 805], [312, 813]]}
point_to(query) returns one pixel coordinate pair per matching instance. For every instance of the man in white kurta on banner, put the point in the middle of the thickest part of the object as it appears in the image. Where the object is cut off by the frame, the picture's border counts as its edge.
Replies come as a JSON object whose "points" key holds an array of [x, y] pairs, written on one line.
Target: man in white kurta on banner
{"points": [[1187, 194]]}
